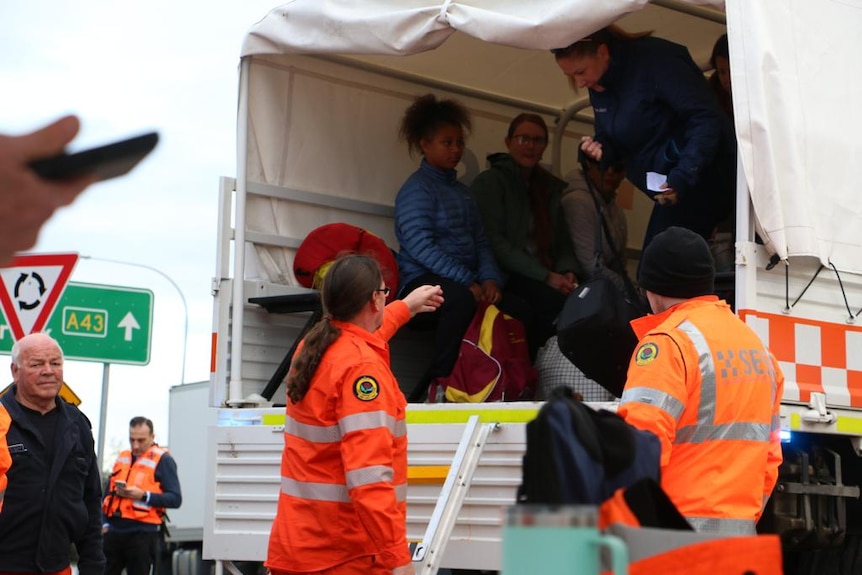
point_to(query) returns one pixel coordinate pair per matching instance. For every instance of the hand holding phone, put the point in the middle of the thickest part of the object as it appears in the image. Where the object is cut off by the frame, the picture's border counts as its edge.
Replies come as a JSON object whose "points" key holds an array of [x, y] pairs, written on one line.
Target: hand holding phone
{"points": [[120, 484], [21, 188], [104, 162]]}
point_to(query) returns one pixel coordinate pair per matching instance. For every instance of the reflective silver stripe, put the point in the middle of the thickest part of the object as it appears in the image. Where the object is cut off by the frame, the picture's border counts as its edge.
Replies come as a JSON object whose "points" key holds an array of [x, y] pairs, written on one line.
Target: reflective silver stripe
{"points": [[2, 493], [664, 401], [372, 420], [146, 462], [705, 429], [401, 493], [313, 433], [776, 422], [122, 459], [327, 491], [400, 429], [737, 430], [355, 422], [724, 526], [369, 475], [315, 491], [706, 409]]}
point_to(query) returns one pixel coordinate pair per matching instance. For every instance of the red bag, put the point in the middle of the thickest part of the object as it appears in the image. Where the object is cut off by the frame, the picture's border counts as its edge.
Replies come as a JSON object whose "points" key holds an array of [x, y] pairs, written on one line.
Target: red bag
{"points": [[324, 244], [493, 364]]}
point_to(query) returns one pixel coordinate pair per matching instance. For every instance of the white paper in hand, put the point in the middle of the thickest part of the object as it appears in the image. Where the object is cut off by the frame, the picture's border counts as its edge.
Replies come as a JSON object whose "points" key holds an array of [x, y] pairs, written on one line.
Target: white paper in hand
{"points": [[654, 180]]}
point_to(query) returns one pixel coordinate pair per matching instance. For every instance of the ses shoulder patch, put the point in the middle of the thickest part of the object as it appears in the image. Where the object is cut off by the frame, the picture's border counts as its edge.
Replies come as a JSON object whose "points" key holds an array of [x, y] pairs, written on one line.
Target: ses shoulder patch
{"points": [[366, 388], [646, 354]]}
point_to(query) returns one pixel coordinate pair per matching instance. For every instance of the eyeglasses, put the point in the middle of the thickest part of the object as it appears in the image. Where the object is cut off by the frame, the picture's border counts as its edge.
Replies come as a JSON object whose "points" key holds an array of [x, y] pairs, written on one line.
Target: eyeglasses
{"points": [[384, 290], [524, 140]]}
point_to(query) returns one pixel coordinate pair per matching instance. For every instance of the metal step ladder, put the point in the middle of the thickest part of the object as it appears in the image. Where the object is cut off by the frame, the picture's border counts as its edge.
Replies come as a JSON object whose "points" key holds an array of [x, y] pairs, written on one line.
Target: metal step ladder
{"points": [[428, 553]]}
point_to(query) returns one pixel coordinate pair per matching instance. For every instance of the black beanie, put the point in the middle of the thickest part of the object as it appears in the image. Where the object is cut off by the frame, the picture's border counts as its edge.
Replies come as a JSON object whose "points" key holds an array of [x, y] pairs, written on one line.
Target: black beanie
{"points": [[677, 263]]}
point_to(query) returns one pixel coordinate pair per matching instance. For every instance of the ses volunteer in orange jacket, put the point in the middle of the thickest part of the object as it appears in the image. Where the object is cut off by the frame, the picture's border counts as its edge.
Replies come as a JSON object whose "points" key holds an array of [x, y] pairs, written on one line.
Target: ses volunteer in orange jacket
{"points": [[703, 382], [342, 507]]}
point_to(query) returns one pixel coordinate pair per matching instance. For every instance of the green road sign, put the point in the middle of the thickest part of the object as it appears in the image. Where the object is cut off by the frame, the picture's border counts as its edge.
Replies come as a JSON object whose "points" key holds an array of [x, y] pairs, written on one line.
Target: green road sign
{"points": [[108, 324]]}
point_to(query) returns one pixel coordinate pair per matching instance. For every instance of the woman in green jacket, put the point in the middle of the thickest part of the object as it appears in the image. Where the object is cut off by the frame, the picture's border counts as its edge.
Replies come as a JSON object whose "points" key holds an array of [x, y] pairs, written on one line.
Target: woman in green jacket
{"points": [[520, 205]]}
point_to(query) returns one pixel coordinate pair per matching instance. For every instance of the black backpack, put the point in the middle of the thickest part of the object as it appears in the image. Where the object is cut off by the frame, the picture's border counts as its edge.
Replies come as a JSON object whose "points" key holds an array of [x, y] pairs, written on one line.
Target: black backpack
{"points": [[576, 455]]}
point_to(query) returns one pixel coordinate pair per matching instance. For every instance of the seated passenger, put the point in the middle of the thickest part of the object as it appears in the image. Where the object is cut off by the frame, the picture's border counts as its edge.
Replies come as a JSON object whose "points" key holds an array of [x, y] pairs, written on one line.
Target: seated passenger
{"points": [[438, 226], [719, 80], [722, 245], [583, 222], [520, 205]]}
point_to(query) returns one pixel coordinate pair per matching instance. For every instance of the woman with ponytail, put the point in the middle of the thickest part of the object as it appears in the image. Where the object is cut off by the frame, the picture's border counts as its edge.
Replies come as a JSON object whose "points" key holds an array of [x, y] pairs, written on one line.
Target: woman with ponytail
{"points": [[342, 507]]}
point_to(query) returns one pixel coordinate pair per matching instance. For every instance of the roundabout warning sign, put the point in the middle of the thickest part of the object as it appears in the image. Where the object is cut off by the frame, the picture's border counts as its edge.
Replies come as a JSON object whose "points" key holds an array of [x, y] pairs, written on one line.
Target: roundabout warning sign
{"points": [[31, 287]]}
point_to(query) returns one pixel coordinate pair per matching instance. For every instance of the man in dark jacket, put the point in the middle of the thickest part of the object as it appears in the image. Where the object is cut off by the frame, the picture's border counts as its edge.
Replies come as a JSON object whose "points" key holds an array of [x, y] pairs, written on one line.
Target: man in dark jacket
{"points": [[54, 491]]}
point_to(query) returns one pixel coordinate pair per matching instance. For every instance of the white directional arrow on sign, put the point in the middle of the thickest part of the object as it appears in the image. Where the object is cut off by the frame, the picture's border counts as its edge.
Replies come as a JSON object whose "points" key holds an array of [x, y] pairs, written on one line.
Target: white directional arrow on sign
{"points": [[128, 323]]}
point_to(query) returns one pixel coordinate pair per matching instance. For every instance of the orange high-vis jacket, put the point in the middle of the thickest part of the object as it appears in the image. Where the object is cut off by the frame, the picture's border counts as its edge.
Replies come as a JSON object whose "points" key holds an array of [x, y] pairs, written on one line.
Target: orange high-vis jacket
{"points": [[702, 381], [141, 474], [344, 465], [5, 457], [661, 546]]}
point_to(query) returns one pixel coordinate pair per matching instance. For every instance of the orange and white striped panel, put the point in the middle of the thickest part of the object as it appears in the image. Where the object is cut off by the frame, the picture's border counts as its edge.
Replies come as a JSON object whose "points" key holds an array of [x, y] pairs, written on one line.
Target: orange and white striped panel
{"points": [[815, 356]]}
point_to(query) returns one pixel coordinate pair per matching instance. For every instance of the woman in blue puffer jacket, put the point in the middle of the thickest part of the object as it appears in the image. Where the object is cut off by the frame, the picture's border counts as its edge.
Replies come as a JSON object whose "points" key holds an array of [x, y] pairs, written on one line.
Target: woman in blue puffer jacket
{"points": [[655, 112], [439, 229]]}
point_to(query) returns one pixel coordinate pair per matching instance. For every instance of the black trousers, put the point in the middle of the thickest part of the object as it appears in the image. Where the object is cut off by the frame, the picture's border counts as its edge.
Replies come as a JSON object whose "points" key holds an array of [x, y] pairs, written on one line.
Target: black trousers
{"points": [[545, 304], [133, 552]]}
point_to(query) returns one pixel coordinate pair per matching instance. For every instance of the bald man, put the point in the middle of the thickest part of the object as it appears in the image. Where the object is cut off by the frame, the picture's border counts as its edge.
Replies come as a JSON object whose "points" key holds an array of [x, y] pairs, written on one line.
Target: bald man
{"points": [[54, 489]]}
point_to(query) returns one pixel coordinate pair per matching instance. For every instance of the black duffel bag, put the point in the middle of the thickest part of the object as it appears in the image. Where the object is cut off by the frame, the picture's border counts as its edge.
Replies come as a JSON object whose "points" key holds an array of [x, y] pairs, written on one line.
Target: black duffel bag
{"points": [[593, 332]]}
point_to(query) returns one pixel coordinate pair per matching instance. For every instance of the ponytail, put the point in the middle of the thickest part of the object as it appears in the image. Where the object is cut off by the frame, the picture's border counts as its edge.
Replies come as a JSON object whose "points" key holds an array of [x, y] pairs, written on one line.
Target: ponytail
{"points": [[348, 286], [315, 343]]}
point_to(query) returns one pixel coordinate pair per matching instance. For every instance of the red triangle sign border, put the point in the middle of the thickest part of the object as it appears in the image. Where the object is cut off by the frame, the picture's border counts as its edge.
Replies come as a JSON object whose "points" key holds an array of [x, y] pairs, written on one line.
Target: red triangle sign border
{"points": [[66, 261]]}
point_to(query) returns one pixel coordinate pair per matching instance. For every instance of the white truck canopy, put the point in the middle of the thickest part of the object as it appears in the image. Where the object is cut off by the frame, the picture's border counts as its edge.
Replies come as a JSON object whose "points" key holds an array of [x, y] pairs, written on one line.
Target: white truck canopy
{"points": [[794, 91]]}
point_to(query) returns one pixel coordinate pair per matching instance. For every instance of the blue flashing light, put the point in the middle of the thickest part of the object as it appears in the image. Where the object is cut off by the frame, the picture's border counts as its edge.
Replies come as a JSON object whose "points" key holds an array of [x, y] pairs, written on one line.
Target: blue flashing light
{"points": [[785, 435]]}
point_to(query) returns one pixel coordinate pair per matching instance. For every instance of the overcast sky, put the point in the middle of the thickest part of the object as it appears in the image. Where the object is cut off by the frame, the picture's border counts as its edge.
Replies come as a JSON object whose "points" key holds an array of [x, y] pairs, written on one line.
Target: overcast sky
{"points": [[127, 68]]}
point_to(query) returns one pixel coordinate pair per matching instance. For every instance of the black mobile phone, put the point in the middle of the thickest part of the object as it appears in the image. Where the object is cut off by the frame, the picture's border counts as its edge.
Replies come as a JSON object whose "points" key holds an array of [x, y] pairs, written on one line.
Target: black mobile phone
{"points": [[105, 162]]}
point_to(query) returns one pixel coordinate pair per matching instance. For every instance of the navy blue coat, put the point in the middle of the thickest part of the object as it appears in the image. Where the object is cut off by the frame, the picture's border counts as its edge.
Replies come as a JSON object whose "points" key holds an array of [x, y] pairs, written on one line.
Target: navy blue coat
{"points": [[658, 114], [51, 504]]}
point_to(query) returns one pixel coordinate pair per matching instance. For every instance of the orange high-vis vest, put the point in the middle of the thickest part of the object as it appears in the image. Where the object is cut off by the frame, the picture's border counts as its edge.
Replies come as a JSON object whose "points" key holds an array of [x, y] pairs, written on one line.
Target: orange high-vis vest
{"points": [[702, 381], [659, 545], [141, 474], [5, 457], [344, 465]]}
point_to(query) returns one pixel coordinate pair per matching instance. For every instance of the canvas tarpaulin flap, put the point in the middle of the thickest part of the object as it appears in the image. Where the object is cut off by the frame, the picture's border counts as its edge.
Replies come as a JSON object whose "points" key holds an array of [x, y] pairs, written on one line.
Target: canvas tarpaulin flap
{"points": [[406, 27], [794, 98], [318, 122]]}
